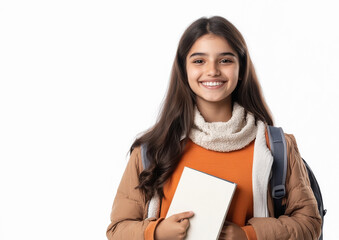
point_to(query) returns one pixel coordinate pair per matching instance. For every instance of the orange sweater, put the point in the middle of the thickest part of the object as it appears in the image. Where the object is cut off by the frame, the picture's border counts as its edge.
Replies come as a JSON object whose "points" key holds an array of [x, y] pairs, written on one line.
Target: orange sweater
{"points": [[235, 166]]}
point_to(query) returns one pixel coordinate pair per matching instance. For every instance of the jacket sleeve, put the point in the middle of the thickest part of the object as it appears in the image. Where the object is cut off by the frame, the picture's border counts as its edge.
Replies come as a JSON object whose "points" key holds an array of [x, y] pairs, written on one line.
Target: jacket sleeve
{"points": [[301, 219], [129, 209]]}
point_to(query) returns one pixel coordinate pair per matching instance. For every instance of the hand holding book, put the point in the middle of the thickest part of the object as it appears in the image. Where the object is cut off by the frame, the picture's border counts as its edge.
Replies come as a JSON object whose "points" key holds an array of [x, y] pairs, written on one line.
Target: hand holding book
{"points": [[208, 197], [231, 231], [173, 227]]}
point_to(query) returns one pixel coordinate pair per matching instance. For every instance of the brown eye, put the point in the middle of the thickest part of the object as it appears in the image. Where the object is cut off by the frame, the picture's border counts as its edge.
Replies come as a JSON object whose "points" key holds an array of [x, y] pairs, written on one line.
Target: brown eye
{"points": [[226, 61], [198, 61]]}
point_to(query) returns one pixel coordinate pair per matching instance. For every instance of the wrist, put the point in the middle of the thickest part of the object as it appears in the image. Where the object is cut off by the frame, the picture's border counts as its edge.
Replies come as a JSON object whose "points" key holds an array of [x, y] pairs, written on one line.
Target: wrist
{"points": [[149, 233], [250, 233], [157, 235]]}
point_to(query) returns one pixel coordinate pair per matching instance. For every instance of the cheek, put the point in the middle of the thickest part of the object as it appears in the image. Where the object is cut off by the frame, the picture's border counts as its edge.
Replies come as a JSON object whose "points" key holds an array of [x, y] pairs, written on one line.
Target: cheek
{"points": [[191, 71], [233, 73], [192, 75]]}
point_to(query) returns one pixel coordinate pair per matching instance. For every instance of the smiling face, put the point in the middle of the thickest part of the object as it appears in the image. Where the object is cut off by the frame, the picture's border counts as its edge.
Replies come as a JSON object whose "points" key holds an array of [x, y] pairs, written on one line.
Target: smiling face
{"points": [[212, 69]]}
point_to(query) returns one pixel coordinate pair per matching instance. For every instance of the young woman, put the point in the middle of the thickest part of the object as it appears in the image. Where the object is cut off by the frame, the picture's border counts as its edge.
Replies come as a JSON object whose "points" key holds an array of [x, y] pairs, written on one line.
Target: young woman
{"points": [[214, 120]]}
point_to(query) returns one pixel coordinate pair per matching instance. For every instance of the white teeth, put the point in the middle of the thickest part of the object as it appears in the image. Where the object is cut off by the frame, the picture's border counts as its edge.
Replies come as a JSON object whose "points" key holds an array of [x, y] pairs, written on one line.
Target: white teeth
{"points": [[212, 83]]}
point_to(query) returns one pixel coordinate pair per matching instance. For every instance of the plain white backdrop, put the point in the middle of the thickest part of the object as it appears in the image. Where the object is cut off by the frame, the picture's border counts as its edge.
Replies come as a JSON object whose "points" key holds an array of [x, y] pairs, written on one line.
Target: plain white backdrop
{"points": [[79, 80]]}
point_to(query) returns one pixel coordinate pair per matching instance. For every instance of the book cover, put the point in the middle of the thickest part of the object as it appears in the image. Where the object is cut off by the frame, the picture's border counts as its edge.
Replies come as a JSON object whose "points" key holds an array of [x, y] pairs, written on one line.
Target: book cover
{"points": [[209, 197]]}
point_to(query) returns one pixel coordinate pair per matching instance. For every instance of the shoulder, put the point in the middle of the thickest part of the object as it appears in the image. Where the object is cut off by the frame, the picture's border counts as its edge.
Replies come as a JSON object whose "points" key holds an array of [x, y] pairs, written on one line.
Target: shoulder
{"points": [[130, 178], [134, 165], [297, 171], [136, 159], [292, 150], [290, 141]]}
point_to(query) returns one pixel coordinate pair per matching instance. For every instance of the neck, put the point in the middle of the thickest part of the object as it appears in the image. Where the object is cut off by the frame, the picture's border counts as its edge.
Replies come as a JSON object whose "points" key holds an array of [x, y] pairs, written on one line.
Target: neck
{"points": [[215, 111]]}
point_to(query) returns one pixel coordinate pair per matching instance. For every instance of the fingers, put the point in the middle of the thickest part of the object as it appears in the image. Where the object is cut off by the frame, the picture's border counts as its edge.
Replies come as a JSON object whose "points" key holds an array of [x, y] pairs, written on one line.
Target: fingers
{"points": [[222, 236], [227, 223], [184, 215], [185, 222], [183, 227]]}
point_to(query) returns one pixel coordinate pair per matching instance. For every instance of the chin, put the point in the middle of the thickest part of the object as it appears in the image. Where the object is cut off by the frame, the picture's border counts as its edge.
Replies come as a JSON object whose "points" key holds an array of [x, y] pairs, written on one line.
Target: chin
{"points": [[215, 101]]}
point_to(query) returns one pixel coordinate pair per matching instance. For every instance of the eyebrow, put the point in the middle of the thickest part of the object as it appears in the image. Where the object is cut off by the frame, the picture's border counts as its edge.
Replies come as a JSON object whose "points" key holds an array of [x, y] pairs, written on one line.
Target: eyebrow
{"points": [[205, 54]]}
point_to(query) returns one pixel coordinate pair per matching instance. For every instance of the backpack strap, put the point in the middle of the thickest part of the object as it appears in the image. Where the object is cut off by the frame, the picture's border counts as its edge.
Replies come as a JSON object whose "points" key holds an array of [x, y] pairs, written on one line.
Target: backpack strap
{"points": [[154, 205], [144, 159], [279, 168]]}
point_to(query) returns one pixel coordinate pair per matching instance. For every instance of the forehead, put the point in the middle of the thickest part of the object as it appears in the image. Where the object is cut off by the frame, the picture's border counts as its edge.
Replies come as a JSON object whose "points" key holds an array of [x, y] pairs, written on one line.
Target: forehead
{"points": [[211, 44]]}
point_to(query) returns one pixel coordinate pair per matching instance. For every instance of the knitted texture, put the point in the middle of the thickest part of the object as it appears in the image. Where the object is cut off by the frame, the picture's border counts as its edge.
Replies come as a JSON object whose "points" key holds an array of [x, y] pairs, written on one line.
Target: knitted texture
{"points": [[228, 136]]}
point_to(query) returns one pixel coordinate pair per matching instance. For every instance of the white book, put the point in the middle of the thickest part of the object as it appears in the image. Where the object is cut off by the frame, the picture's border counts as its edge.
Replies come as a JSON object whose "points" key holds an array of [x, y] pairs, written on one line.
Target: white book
{"points": [[209, 197]]}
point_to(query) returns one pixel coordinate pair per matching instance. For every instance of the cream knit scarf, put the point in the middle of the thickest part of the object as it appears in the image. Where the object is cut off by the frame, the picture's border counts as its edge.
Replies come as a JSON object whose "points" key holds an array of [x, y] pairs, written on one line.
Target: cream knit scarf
{"points": [[232, 135], [228, 136]]}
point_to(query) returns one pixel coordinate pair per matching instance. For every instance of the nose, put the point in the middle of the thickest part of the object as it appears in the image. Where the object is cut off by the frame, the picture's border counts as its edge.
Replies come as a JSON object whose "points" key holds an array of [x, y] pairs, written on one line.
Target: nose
{"points": [[213, 69]]}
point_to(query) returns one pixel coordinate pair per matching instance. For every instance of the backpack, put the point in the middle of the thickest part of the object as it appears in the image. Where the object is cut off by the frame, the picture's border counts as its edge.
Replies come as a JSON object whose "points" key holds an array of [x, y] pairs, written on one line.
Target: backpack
{"points": [[279, 169]]}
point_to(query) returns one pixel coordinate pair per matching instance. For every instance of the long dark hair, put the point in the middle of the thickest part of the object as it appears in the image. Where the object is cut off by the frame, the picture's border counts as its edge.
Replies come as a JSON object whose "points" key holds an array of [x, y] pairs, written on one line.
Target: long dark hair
{"points": [[163, 140]]}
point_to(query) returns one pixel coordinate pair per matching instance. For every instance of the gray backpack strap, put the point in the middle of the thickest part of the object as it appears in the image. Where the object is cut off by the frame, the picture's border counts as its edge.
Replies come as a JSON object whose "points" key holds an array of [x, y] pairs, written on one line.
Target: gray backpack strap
{"points": [[279, 168], [154, 205], [145, 162]]}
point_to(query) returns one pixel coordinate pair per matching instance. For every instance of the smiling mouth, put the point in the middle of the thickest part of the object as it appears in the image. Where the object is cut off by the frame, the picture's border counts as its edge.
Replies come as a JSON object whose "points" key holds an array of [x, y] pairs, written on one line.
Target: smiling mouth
{"points": [[213, 84]]}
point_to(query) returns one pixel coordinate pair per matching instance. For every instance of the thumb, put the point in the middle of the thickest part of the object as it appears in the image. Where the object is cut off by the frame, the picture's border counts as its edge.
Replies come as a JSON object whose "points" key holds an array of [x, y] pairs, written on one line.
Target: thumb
{"points": [[183, 215]]}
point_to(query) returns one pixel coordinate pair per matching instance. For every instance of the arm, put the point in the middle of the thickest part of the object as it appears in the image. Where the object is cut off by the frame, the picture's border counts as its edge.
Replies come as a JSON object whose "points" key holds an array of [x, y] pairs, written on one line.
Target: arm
{"points": [[129, 208], [301, 219]]}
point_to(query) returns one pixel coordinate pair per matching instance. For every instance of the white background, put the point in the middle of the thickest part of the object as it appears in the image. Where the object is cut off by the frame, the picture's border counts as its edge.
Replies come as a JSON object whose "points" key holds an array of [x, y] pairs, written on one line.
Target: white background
{"points": [[80, 80]]}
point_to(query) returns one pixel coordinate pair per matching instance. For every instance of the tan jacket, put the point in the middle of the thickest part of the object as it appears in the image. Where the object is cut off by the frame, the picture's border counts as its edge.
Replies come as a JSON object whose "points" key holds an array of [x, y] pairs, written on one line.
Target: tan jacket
{"points": [[301, 219]]}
